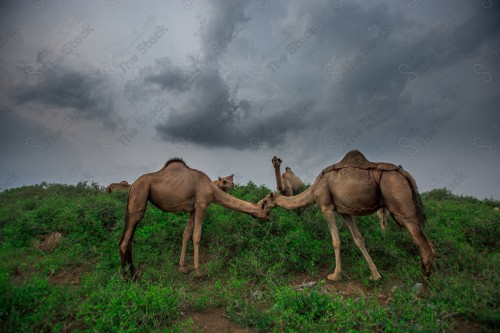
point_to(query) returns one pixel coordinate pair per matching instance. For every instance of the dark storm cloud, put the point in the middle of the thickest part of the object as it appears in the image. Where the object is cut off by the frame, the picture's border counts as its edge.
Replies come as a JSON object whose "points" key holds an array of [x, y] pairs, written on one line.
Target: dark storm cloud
{"points": [[212, 114], [357, 69], [88, 93], [374, 56], [226, 19]]}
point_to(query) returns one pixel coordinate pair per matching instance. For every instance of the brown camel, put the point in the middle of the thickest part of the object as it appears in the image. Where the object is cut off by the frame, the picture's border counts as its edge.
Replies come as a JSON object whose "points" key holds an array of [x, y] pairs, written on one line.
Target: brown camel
{"points": [[123, 185], [174, 188], [287, 183], [355, 187], [225, 183]]}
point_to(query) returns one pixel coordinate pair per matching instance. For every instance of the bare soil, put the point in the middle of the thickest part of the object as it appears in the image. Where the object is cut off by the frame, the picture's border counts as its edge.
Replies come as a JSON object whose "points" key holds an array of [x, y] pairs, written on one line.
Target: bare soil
{"points": [[216, 320]]}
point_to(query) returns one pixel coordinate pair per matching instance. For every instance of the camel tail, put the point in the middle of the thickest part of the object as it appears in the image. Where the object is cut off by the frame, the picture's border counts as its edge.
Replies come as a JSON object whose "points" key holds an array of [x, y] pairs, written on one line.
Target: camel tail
{"points": [[417, 200]]}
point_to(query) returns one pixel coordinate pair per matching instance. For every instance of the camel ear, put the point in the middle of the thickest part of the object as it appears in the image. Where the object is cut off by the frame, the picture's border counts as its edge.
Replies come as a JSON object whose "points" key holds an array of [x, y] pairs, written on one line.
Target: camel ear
{"points": [[231, 176], [279, 160], [271, 195], [220, 178]]}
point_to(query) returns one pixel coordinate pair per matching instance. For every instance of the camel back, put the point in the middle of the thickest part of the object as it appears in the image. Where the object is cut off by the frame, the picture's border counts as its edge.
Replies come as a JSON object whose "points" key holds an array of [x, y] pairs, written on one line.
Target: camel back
{"points": [[355, 159]]}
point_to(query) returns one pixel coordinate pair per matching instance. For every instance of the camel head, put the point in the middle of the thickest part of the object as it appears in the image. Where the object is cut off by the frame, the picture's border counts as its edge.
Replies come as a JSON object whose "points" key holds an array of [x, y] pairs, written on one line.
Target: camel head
{"points": [[225, 183], [265, 209], [276, 162], [269, 201]]}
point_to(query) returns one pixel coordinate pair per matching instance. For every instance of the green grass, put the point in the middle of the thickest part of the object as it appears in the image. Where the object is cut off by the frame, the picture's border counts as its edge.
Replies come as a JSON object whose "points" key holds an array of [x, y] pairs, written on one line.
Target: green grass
{"points": [[252, 267]]}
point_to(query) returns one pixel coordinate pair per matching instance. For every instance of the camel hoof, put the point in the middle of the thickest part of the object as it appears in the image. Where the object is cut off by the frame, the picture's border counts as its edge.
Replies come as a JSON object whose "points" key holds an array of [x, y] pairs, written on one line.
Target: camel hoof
{"points": [[375, 278], [183, 269], [334, 277]]}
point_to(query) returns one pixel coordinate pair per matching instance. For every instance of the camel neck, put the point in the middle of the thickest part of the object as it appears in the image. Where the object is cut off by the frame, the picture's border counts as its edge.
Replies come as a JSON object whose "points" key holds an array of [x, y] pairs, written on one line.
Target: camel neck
{"points": [[301, 200], [279, 183], [228, 201]]}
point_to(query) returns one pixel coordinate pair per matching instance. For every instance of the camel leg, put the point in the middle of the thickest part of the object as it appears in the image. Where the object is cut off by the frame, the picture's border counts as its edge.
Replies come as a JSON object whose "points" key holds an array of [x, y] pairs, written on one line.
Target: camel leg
{"points": [[425, 248], [332, 225], [360, 243], [397, 193], [198, 223], [382, 215], [133, 220], [188, 231]]}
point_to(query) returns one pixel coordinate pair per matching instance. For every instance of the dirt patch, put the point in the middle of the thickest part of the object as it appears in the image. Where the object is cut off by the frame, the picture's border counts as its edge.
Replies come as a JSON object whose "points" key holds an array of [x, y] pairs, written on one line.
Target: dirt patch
{"points": [[71, 276], [50, 242], [463, 326], [216, 320], [347, 288]]}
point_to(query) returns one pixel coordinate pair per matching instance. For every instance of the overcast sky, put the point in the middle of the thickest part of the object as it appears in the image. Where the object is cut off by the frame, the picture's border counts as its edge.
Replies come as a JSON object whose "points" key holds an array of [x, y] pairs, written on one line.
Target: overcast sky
{"points": [[109, 90]]}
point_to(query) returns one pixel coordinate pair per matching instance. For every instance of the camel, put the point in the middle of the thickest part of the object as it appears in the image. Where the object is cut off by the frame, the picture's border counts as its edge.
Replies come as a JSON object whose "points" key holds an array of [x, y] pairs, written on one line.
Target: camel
{"points": [[355, 187], [287, 183], [123, 185], [174, 188], [225, 183]]}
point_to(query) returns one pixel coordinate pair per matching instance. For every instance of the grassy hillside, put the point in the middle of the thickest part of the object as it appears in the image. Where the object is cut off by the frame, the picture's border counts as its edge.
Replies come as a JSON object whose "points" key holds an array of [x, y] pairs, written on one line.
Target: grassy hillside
{"points": [[253, 268]]}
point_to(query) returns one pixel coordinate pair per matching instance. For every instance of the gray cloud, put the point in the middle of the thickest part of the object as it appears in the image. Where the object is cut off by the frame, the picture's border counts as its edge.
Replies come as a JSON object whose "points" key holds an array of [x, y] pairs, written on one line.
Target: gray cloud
{"points": [[245, 80], [88, 93], [170, 77]]}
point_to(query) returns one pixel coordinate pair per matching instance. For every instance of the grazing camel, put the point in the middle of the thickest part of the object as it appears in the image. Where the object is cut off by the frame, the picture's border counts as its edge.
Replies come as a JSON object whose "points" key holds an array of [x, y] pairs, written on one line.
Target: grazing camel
{"points": [[174, 188], [287, 183], [225, 183], [123, 185], [355, 187]]}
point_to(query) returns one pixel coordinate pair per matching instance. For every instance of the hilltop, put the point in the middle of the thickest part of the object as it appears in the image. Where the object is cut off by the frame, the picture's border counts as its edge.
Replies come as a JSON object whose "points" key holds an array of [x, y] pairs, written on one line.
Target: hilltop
{"points": [[60, 268]]}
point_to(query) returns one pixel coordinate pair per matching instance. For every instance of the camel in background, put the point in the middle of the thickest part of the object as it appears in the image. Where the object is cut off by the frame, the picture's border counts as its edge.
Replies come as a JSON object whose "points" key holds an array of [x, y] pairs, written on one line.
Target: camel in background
{"points": [[287, 183], [225, 183], [123, 185]]}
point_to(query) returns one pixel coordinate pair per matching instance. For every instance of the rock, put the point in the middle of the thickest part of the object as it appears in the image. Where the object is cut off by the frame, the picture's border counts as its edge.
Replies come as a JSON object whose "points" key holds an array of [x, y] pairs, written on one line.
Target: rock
{"points": [[394, 289], [306, 285], [418, 287]]}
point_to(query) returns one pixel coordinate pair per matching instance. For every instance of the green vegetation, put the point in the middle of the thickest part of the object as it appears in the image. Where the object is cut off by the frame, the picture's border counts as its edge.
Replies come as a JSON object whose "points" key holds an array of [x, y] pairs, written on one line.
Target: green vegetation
{"points": [[253, 268]]}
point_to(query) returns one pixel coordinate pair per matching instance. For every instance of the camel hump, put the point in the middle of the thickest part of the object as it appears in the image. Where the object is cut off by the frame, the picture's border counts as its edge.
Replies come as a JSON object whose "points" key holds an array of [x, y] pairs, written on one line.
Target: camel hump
{"points": [[355, 159], [174, 160]]}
